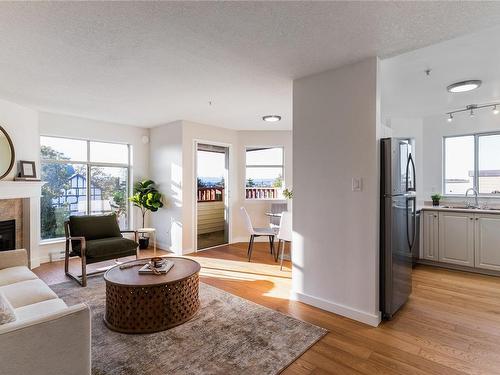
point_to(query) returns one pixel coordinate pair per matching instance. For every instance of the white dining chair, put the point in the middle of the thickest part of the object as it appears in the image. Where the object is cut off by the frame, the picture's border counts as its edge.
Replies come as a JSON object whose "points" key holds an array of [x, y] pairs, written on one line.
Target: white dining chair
{"points": [[258, 232], [284, 234]]}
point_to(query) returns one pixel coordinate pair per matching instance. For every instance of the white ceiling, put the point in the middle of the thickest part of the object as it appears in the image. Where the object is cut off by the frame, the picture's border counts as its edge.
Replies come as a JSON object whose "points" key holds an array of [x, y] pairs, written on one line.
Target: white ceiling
{"points": [[408, 92], [150, 63]]}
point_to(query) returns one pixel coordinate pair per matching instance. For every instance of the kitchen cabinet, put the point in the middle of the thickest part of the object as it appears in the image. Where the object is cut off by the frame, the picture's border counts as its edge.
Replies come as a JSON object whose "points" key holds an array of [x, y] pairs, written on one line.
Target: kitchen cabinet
{"points": [[487, 241], [456, 238], [430, 235]]}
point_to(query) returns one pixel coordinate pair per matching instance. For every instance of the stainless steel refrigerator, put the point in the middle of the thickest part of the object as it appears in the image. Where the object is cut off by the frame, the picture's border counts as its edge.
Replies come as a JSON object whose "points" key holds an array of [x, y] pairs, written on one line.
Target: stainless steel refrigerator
{"points": [[397, 222]]}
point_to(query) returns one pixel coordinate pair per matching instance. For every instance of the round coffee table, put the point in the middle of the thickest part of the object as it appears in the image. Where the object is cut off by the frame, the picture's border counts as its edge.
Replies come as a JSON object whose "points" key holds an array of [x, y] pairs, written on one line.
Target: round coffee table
{"points": [[138, 303]]}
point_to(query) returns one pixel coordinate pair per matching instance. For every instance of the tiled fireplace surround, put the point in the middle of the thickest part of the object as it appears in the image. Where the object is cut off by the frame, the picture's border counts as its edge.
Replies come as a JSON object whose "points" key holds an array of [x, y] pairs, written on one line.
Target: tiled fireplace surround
{"points": [[12, 209], [20, 200]]}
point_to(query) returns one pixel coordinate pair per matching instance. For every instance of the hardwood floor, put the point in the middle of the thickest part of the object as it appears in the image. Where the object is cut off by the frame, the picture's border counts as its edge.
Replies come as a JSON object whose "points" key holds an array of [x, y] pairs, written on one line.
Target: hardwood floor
{"points": [[450, 325]]}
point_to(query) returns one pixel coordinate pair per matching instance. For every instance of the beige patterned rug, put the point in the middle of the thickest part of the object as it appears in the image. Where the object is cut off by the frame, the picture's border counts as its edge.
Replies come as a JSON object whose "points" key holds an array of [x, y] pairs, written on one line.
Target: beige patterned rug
{"points": [[229, 335]]}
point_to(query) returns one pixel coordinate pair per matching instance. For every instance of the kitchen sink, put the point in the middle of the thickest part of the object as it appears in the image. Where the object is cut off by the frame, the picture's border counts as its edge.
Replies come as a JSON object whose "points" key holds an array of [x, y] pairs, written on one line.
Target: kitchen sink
{"points": [[472, 208]]}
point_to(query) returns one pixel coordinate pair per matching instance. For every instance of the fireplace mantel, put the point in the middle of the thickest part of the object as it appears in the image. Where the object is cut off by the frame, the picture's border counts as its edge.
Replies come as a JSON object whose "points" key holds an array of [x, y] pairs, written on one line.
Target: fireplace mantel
{"points": [[20, 189], [30, 192]]}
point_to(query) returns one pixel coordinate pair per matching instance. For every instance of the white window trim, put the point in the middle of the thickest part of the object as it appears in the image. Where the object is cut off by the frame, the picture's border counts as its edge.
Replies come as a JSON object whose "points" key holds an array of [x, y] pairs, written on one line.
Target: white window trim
{"points": [[475, 182], [89, 164], [282, 166]]}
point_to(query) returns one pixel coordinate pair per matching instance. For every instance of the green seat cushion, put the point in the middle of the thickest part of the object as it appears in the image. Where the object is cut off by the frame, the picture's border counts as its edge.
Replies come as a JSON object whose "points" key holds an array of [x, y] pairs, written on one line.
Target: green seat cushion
{"points": [[108, 248], [94, 227]]}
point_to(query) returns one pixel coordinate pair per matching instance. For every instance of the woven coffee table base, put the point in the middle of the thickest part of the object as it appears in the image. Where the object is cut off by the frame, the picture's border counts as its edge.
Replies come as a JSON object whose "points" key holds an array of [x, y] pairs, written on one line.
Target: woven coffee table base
{"points": [[146, 309]]}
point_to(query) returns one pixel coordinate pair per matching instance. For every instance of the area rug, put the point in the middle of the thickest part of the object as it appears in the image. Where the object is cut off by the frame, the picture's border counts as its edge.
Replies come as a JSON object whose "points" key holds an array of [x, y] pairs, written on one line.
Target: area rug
{"points": [[229, 335]]}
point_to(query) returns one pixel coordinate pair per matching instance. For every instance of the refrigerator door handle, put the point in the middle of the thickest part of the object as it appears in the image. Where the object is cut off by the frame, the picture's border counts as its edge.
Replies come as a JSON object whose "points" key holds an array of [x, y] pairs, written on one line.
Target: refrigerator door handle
{"points": [[414, 220], [413, 185]]}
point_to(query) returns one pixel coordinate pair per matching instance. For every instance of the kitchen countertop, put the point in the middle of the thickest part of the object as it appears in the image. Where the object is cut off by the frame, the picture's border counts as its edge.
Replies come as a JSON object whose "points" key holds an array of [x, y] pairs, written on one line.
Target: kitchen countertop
{"points": [[458, 208]]}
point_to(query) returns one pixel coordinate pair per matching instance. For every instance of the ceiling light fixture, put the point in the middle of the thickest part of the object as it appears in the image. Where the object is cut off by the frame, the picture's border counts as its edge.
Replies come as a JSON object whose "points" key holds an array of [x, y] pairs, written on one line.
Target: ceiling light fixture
{"points": [[471, 108], [271, 118], [464, 86]]}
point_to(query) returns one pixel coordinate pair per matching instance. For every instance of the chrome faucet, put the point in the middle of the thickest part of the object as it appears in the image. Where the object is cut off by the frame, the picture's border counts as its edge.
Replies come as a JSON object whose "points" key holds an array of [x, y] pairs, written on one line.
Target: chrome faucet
{"points": [[475, 198]]}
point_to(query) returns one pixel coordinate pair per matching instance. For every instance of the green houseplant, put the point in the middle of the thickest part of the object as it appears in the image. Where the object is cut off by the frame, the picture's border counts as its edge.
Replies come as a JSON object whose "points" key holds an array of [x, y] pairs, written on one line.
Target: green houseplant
{"points": [[147, 198], [436, 198]]}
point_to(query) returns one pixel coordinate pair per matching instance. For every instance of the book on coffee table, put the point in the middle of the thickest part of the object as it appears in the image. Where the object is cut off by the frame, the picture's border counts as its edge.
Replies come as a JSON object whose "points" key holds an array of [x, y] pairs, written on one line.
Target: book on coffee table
{"points": [[147, 268]]}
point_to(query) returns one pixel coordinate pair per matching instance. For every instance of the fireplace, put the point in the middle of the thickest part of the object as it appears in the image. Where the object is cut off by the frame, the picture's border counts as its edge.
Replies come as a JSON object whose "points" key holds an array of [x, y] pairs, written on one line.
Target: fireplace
{"points": [[7, 235]]}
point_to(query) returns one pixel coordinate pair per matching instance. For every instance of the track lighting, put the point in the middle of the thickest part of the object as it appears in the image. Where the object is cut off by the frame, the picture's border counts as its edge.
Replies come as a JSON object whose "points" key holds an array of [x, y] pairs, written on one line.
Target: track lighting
{"points": [[472, 108]]}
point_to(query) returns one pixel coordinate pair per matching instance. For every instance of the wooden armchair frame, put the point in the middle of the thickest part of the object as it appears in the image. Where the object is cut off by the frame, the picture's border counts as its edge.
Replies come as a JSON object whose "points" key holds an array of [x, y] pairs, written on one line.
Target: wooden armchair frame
{"points": [[82, 279]]}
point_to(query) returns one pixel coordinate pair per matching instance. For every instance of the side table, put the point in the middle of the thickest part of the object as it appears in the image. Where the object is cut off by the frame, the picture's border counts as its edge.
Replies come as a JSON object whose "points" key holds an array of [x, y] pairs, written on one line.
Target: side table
{"points": [[149, 231]]}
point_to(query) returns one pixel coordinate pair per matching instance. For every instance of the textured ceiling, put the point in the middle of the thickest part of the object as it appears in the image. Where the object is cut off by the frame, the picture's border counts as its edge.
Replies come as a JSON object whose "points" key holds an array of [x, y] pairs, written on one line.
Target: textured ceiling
{"points": [[150, 63], [408, 92]]}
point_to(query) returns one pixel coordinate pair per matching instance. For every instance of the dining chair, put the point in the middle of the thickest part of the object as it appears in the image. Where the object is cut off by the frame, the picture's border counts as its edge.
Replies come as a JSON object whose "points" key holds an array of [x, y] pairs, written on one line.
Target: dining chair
{"points": [[276, 210], [284, 234], [258, 232]]}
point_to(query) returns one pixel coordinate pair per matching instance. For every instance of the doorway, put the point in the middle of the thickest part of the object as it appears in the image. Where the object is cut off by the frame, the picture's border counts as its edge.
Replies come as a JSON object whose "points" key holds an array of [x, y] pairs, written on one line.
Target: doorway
{"points": [[212, 224]]}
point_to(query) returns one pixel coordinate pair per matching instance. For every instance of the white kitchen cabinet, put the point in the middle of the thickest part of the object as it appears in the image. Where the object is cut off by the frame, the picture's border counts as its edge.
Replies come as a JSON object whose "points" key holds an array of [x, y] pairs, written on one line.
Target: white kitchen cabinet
{"points": [[487, 241], [430, 235], [456, 238]]}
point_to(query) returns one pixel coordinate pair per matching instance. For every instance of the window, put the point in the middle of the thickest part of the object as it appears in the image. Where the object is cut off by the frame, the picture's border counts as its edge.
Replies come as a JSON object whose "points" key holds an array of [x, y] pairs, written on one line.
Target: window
{"points": [[458, 164], [264, 172], [71, 168], [472, 161]]}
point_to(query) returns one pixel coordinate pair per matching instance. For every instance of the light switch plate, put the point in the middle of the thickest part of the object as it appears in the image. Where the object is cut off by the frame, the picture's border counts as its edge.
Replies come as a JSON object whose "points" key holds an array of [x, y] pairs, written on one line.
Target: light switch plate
{"points": [[357, 184]]}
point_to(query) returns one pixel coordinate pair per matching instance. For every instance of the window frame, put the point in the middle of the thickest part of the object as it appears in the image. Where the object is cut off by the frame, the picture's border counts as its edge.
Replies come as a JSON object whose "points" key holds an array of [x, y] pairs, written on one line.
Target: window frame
{"points": [[282, 166], [88, 166], [475, 181]]}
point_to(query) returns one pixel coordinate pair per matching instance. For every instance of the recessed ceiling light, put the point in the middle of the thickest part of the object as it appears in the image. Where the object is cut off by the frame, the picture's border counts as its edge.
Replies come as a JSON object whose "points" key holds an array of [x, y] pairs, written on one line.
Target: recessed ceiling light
{"points": [[464, 86], [271, 118], [495, 110]]}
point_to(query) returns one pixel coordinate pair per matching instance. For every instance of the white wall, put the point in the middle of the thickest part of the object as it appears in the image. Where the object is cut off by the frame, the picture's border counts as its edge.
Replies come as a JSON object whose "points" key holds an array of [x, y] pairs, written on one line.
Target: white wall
{"points": [[166, 170], [176, 142], [258, 208], [335, 130], [435, 128], [21, 124], [51, 124]]}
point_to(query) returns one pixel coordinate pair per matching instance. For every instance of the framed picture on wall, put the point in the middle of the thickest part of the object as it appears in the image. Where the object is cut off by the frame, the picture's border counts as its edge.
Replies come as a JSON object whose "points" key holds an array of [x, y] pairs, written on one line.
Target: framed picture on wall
{"points": [[27, 169]]}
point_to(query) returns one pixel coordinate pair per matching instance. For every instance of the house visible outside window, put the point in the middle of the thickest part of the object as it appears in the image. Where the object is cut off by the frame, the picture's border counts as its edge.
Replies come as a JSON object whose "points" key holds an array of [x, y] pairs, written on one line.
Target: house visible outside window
{"points": [[264, 173], [472, 161], [71, 168]]}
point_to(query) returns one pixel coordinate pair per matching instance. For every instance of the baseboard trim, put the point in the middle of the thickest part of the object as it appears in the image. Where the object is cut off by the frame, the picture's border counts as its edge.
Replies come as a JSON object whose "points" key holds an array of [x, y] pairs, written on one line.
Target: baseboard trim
{"points": [[337, 308]]}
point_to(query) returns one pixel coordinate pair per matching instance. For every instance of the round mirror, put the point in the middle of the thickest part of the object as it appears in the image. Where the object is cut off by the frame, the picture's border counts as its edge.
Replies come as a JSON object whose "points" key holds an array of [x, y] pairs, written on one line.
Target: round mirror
{"points": [[7, 154]]}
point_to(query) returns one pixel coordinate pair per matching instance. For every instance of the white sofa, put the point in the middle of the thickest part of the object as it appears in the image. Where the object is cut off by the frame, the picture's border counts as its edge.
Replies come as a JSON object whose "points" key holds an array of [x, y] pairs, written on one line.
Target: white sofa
{"points": [[47, 337]]}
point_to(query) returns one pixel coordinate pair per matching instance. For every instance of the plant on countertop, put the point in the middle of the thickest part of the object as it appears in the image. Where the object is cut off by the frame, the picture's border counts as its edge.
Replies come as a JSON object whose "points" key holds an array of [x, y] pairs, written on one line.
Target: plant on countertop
{"points": [[146, 197], [288, 193], [436, 198]]}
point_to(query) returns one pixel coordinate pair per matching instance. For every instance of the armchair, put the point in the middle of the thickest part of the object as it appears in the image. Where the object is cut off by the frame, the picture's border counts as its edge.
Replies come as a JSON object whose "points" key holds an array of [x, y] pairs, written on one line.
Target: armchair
{"points": [[95, 239]]}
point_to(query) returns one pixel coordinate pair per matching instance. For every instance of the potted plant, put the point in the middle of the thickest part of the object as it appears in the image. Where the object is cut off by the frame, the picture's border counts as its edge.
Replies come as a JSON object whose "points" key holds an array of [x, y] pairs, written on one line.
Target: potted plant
{"points": [[147, 198], [288, 194], [435, 199]]}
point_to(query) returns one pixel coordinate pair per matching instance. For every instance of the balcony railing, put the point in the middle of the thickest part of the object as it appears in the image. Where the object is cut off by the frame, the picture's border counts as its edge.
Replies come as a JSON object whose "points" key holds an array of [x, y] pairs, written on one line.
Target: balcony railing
{"points": [[210, 194], [262, 193]]}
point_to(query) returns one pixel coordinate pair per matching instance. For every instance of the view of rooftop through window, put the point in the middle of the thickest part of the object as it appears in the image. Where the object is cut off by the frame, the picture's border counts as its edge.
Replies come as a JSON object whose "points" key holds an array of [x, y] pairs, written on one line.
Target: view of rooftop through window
{"points": [[460, 169], [71, 168]]}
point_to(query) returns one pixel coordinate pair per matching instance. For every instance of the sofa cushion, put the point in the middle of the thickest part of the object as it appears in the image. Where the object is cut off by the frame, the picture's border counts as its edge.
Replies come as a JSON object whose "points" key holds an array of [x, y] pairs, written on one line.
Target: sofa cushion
{"points": [[41, 308], [94, 227], [27, 292], [7, 314], [113, 247], [15, 274]]}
